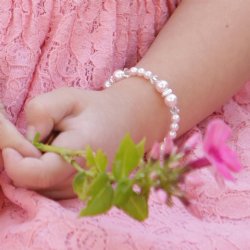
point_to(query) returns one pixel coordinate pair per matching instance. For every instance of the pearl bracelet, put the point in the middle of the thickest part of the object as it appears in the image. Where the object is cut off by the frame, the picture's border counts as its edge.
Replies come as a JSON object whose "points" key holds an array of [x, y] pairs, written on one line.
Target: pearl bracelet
{"points": [[161, 86]]}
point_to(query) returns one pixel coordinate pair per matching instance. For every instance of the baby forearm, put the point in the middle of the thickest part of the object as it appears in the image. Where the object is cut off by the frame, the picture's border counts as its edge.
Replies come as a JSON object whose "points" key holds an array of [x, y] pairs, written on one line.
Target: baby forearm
{"points": [[204, 53]]}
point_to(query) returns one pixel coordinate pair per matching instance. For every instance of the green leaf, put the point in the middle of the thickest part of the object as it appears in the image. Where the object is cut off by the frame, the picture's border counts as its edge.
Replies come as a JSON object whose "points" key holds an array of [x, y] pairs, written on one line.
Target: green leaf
{"points": [[101, 160], [98, 160], [122, 192], [80, 185], [89, 156], [127, 157], [140, 148], [136, 207], [100, 195], [99, 182]]}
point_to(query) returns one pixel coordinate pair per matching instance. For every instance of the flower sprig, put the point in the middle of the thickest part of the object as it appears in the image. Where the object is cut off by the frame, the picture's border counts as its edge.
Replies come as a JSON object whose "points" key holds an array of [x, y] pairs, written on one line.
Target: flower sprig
{"points": [[128, 184]]}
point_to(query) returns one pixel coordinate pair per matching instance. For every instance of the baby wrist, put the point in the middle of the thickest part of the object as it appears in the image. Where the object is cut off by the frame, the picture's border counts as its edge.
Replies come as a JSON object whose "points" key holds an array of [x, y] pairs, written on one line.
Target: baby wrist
{"points": [[162, 86]]}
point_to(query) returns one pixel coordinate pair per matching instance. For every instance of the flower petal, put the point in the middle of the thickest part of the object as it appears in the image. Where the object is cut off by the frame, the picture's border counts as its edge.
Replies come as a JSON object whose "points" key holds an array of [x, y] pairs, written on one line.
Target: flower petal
{"points": [[216, 134], [155, 151], [191, 142], [161, 195], [168, 146], [230, 159], [221, 167], [199, 163]]}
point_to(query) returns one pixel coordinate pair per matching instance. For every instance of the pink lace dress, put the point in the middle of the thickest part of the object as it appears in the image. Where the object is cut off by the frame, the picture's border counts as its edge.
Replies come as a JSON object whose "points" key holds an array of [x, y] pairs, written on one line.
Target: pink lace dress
{"points": [[47, 44]]}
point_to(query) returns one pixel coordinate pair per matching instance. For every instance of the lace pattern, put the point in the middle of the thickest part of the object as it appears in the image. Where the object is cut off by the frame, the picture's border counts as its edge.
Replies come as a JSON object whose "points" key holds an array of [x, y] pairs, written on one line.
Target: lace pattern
{"points": [[48, 44]]}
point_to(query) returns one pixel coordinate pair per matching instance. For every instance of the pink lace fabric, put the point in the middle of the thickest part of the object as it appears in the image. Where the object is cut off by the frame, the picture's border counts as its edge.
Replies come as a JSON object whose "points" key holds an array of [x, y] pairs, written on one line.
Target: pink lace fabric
{"points": [[49, 44]]}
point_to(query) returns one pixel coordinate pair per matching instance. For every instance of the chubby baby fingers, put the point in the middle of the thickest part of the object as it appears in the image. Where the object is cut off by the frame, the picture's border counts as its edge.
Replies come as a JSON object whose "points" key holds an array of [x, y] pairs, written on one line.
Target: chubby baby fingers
{"points": [[41, 173], [11, 137], [64, 191], [44, 112]]}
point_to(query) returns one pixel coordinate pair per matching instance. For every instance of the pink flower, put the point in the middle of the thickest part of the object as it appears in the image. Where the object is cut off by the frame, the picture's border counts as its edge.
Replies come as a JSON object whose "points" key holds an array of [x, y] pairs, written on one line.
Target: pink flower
{"points": [[191, 143], [155, 151], [161, 196], [217, 152], [168, 147]]}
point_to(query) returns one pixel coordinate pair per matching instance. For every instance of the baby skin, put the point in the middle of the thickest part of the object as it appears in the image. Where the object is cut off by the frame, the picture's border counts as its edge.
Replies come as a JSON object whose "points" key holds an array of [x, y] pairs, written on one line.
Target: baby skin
{"points": [[205, 65]]}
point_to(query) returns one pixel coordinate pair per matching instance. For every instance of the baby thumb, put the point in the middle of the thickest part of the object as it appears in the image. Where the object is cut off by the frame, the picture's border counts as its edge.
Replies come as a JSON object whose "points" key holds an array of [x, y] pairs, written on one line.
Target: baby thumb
{"points": [[44, 112]]}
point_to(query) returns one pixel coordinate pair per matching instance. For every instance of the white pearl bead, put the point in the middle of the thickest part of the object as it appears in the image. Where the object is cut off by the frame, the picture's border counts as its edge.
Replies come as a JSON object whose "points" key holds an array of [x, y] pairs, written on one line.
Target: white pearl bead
{"points": [[174, 126], [133, 71], [171, 100], [148, 74], [167, 92], [107, 84], [161, 85], [175, 118], [118, 75], [172, 134], [141, 72]]}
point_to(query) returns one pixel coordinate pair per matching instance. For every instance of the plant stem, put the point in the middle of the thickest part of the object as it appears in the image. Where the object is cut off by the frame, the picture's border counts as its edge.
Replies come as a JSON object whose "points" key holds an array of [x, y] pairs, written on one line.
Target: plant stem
{"points": [[59, 150], [73, 163]]}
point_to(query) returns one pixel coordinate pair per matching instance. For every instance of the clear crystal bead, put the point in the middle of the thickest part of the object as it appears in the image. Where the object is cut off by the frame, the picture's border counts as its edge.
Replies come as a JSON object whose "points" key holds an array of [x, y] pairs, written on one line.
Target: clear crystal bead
{"points": [[174, 126], [154, 79], [174, 110], [167, 92], [161, 85]]}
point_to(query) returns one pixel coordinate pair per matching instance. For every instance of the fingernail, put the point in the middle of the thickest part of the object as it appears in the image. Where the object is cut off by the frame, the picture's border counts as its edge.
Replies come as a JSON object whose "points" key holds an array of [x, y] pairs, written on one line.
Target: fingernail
{"points": [[30, 133]]}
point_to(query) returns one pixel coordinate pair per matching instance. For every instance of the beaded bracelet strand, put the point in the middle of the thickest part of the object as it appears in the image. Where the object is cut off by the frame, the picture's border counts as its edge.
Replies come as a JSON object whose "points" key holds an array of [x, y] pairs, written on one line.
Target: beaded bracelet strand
{"points": [[161, 86]]}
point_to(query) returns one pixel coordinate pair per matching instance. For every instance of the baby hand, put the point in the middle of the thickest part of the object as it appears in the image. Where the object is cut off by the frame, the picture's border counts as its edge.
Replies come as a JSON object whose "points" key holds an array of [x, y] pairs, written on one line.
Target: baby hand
{"points": [[96, 118], [10, 137]]}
